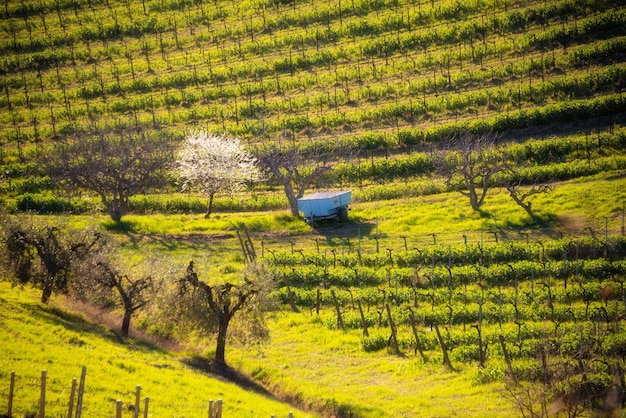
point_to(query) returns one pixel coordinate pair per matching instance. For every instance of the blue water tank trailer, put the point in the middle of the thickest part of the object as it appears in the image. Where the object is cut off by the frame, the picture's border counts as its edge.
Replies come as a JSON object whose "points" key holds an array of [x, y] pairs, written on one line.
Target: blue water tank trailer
{"points": [[325, 205]]}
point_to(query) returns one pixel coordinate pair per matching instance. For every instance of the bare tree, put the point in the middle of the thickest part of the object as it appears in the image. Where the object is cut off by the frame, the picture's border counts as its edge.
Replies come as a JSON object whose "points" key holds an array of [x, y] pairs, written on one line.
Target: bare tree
{"points": [[211, 308], [296, 169], [521, 189], [101, 276], [214, 163], [44, 254], [115, 167], [470, 165]]}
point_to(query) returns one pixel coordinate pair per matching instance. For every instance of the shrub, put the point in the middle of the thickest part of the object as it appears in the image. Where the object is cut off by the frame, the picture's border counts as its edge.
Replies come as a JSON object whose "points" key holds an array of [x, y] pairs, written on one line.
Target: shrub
{"points": [[47, 203], [373, 343]]}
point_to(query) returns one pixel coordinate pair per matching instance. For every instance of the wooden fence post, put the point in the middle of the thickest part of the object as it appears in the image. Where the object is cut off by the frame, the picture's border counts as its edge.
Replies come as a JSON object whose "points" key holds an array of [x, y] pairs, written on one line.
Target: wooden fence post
{"points": [[118, 408], [11, 390], [81, 391], [42, 397], [145, 407], [137, 398], [72, 393], [215, 409]]}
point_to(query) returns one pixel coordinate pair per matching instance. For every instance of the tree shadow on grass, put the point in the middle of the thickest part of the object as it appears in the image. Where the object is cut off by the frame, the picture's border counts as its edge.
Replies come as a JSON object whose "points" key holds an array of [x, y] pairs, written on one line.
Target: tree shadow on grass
{"points": [[78, 323], [350, 229], [227, 373]]}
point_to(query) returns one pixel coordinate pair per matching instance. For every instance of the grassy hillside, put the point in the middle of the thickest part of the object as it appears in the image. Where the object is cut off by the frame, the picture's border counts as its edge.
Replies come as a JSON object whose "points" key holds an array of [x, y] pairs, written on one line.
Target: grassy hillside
{"points": [[36, 337]]}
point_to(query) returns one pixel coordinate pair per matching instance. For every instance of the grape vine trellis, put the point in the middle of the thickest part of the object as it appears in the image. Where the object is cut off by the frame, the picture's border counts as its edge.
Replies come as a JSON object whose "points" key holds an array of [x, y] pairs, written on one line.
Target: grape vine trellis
{"points": [[239, 54], [500, 305], [384, 76]]}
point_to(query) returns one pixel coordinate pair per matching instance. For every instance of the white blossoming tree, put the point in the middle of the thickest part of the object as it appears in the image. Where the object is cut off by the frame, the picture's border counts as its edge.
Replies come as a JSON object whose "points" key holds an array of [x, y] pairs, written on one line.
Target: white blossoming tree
{"points": [[214, 164]]}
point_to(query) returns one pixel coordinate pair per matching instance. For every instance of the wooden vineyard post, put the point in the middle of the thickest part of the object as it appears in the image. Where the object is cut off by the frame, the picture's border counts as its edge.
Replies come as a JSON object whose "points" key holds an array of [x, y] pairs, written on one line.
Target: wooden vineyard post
{"points": [[507, 358], [145, 407], [243, 247], [481, 350], [72, 394], [81, 391], [249, 244], [11, 390], [623, 211], [446, 359], [137, 398], [292, 304], [118, 408], [363, 321], [339, 318], [377, 246], [392, 325], [42, 397], [418, 344], [318, 299]]}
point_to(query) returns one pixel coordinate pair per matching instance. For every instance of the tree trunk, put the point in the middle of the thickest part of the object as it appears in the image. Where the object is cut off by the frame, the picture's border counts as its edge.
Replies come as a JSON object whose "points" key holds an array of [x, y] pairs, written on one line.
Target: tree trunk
{"points": [[45, 295], [128, 313], [220, 348], [472, 197], [527, 206], [291, 197], [115, 212], [209, 208]]}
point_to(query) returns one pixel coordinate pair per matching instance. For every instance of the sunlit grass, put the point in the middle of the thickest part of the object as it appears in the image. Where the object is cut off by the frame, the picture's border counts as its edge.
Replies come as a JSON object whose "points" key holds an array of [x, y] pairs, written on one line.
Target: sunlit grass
{"points": [[327, 366], [305, 360], [34, 337]]}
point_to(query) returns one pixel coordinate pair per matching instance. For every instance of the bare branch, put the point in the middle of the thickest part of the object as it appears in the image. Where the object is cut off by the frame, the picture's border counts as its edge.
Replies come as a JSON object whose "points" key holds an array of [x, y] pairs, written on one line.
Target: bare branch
{"points": [[114, 167], [469, 166]]}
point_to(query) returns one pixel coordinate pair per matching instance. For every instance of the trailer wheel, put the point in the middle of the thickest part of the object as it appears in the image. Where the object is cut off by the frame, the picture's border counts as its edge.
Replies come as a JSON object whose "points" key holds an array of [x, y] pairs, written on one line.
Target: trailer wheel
{"points": [[342, 214]]}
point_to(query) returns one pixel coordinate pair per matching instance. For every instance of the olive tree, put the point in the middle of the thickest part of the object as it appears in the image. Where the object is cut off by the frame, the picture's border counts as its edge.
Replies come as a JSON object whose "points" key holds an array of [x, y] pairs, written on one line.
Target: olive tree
{"points": [[102, 280], [115, 166], [43, 254], [197, 305], [214, 164]]}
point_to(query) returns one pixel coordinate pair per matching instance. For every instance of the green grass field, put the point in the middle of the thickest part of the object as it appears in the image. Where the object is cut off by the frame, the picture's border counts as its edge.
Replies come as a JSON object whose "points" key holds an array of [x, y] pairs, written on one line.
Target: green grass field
{"points": [[36, 337]]}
